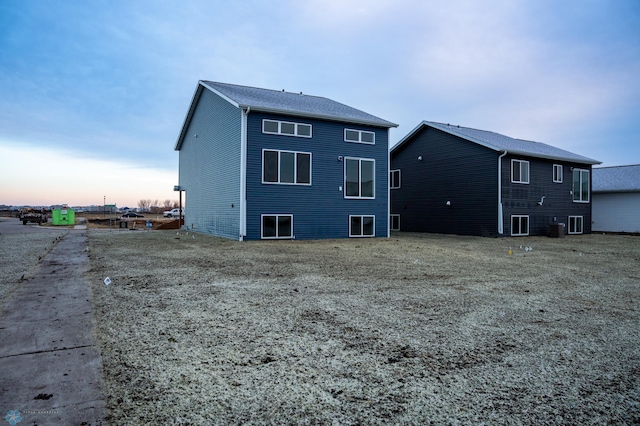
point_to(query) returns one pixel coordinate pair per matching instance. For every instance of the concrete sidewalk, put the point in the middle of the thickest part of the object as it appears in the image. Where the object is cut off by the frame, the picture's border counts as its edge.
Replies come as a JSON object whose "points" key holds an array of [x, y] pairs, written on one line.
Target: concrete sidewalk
{"points": [[50, 366]]}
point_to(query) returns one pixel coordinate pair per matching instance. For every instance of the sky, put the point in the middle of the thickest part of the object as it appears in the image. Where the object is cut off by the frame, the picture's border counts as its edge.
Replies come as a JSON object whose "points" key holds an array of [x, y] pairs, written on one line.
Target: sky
{"points": [[93, 93]]}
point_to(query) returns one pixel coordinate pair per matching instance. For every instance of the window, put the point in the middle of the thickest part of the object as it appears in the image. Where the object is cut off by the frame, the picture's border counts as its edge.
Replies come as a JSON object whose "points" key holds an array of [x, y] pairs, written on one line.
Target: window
{"points": [[519, 225], [580, 186], [360, 136], [286, 167], [394, 221], [394, 179], [359, 178], [286, 128], [362, 226], [557, 173], [519, 171], [276, 226], [575, 224]]}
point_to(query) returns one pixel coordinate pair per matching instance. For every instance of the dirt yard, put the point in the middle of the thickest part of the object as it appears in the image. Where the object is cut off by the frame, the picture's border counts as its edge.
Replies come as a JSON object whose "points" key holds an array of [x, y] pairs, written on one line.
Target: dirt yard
{"points": [[415, 329]]}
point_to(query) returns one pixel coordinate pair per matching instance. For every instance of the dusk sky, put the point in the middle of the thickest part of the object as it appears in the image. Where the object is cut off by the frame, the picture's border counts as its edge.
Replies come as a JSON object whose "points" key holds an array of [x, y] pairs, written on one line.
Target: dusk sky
{"points": [[93, 93]]}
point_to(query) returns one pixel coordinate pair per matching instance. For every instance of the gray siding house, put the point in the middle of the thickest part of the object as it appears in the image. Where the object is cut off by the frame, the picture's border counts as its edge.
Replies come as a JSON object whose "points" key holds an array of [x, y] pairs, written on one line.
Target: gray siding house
{"points": [[458, 180], [267, 164], [616, 199]]}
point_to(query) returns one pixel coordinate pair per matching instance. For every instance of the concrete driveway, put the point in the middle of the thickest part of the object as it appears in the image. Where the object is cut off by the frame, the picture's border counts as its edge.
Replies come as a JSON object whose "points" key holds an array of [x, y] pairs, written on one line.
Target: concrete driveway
{"points": [[50, 365]]}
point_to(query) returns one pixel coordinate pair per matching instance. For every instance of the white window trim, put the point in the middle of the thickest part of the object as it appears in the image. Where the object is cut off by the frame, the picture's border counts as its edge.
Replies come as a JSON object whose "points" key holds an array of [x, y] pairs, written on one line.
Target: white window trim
{"points": [[279, 132], [560, 171], [295, 167], [528, 174], [344, 172], [588, 190], [391, 172], [360, 132], [570, 231], [362, 216], [528, 225], [277, 216], [391, 222]]}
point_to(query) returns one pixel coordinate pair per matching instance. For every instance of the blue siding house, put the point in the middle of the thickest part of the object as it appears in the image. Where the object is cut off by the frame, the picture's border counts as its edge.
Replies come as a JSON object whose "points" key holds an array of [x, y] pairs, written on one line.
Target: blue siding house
{"points": [[458, 180], [266, 164]]}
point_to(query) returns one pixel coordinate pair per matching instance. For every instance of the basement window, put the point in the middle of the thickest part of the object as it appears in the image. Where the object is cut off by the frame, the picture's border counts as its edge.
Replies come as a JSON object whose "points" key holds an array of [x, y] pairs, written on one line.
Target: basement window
{"points": [[575, 225], [519, 225], [362, 226], [276, 226], [394, 222]]}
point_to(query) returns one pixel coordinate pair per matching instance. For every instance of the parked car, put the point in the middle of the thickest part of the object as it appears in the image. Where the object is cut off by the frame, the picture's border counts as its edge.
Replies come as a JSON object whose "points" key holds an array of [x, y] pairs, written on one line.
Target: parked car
{"points": [[172, 213], [131, 214]]}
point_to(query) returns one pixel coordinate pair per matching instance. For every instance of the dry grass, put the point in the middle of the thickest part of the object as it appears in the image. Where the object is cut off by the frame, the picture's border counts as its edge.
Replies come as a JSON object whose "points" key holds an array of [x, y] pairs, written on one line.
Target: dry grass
{"points": [[415, 329]]}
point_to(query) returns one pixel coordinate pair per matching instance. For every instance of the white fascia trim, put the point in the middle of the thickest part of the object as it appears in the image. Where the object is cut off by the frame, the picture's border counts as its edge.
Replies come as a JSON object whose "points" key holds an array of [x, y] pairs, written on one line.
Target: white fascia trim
{"points": [[388, 186], [223, 96], [187, 117]]}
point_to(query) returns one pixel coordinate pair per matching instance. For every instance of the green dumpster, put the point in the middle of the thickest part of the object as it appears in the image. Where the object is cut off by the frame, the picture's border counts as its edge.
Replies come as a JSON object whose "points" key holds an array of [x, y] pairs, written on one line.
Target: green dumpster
{"points": [[64, 216]]}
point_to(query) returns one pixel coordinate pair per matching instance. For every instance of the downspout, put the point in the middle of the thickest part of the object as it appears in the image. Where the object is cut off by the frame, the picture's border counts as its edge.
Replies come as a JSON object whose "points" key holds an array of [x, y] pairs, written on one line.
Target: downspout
{"points": [[500, 214], [243, 173], [388, 184]]}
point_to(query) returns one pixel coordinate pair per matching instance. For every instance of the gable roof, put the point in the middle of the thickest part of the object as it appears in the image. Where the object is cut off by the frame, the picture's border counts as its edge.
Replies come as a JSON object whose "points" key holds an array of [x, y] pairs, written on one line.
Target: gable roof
{"points": [[281, 102], [299, 104], [498, 142], [617, 179]]}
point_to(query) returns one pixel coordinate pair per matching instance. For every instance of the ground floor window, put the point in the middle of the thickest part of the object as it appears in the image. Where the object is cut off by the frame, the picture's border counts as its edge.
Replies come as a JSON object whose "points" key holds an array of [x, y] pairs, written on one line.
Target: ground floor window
{"points": [[394, 221], [276, 226], [519, 225], [575, 224], [362, 226]]}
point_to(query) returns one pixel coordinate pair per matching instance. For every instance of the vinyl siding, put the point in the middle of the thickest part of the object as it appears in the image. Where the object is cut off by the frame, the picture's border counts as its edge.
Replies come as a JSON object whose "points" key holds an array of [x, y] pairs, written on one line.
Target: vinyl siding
{"points": [[319, 210], [210, 167], [452, 169], [558, 205]]}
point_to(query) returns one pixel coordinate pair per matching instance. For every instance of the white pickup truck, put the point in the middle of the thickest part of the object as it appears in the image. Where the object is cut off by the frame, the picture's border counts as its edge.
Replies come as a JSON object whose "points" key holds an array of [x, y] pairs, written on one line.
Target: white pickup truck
{"points": [[173, 213]]}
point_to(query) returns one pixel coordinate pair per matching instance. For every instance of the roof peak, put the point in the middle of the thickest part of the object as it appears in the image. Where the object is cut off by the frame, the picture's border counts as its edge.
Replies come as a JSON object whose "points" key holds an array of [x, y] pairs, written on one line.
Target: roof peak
{"points": [[261, 88]]}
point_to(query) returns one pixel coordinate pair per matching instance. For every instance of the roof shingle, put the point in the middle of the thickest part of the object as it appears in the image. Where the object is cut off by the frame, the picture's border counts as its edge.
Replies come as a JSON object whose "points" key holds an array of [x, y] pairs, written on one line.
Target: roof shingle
{"points": [[498, 142], [298, 104], [617, 179]]}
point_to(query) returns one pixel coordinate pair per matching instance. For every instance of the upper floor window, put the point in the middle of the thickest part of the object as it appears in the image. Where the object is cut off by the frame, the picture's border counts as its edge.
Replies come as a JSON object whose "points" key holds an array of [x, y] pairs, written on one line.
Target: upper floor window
{"points": [[286, 128], [519, 171], [580, 186], [359, 178], [394, 179], [361, 136], [286, 167], [557, 173]]}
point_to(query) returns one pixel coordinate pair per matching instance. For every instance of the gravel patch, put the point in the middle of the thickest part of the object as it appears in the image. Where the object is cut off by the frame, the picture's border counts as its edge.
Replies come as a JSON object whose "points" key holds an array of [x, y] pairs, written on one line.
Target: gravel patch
{"points": [[415, 329]]}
